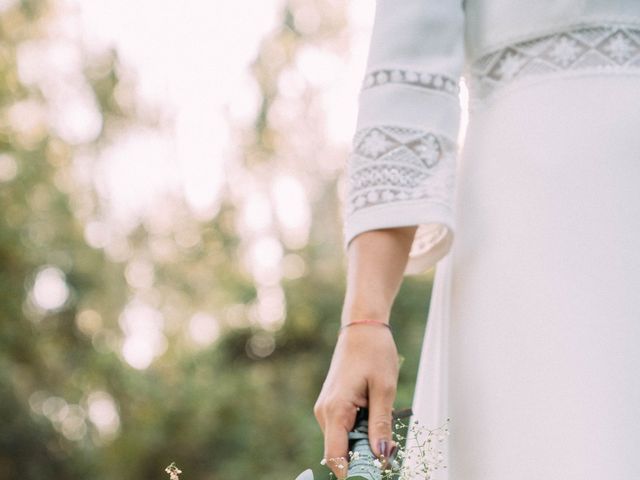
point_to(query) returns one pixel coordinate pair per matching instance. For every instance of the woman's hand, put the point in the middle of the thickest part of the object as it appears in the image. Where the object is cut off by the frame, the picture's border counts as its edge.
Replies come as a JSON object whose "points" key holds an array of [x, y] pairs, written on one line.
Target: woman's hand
{"points": [[365, 364], [363, 373]]}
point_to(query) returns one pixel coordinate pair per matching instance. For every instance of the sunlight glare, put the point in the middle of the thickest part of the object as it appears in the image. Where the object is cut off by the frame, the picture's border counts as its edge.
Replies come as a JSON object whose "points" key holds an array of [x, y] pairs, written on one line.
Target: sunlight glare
{"points": [[8, 167], [256, 212], [265, 255], [50, 289], [7, 4], [103, 413], [133, 174], [192, 63], [270, 310], [203, 329], [139, 274], [144, 338], [292, 210]]}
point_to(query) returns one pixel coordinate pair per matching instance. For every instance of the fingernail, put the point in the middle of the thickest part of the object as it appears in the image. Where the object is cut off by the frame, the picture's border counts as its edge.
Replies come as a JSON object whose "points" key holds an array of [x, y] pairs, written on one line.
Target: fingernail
{"points": [[383, 446], [389, 457], [390, 450], [392, 454]]}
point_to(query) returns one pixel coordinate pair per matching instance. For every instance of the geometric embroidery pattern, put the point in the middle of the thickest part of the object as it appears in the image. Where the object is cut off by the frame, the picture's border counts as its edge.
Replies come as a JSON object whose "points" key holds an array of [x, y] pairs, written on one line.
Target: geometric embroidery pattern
{"points": [[389, 163], [580, 48]]}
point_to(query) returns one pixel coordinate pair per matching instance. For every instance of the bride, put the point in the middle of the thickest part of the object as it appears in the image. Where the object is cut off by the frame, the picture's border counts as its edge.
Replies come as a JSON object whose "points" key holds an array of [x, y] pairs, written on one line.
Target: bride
{"points": [[532, 224]]}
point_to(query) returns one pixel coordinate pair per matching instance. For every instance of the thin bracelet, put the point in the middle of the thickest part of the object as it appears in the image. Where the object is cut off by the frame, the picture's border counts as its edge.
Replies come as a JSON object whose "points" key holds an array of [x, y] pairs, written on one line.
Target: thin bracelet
{"points": [[366, 321]]}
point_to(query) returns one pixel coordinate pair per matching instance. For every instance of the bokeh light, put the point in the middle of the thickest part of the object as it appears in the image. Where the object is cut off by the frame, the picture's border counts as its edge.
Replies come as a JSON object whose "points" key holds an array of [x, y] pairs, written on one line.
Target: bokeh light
{"points": [[103, 413], [204, 329], [144, 338], [8, 168], [50, 290]]}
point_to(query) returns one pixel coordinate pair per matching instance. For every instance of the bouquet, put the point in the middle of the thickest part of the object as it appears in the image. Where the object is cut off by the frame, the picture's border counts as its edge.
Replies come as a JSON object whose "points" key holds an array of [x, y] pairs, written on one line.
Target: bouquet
{"points": [[423, 456]]}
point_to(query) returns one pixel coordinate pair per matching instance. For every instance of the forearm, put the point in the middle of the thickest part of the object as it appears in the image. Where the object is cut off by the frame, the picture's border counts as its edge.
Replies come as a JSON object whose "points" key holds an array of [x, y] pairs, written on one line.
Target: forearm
{"points": [[376, 261]]}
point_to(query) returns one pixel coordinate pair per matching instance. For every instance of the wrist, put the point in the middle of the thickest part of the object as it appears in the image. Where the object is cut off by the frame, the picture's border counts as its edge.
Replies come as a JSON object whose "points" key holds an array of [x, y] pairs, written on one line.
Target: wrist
{"points": [[367, 322], [353, 314], [367, 301]]}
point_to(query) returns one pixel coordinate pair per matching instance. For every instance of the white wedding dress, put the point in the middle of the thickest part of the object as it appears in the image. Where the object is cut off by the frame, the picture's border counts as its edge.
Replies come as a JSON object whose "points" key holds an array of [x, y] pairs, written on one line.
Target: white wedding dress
{"points": [[532, 343]]}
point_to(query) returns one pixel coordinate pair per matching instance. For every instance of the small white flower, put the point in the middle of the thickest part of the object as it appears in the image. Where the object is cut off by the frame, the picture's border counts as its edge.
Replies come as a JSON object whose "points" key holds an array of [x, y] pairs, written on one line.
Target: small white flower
{"points": [[173, 471]]}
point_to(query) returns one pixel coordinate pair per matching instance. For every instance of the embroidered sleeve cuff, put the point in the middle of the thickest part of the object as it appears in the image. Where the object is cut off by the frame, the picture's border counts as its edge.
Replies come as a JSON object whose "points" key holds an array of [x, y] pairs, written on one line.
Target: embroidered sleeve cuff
{"points": [[400, 176]]}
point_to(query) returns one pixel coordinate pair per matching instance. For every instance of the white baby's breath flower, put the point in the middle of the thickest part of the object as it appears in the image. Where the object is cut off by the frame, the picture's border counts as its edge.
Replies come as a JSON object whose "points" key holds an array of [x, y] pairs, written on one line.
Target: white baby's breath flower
{"points": [[173, 471], [424, 455], [419, 453]]}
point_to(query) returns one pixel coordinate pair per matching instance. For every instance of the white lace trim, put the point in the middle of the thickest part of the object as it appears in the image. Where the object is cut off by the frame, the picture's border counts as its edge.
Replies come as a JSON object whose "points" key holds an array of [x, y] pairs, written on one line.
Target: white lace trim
{"points": [[582, 48], [412, 171], [413, 78], [394, 164]]}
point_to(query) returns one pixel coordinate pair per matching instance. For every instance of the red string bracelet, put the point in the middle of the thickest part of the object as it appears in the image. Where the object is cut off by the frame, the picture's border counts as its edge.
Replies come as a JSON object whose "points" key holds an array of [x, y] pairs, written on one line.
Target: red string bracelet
{"points": [[366, 321]]}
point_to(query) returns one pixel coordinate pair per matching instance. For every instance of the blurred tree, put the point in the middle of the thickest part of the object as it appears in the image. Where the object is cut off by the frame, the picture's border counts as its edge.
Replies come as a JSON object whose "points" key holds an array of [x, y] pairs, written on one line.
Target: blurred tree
{"points": [[241, 312]]}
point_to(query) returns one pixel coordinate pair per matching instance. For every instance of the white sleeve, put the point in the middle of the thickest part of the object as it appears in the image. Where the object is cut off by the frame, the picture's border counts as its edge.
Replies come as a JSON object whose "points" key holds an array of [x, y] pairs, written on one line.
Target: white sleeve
{"points": [[401, 169]]}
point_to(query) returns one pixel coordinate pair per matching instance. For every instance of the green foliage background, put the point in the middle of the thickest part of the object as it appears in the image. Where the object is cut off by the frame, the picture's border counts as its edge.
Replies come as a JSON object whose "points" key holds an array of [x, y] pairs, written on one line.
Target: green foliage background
{"points": [[220, 411]]}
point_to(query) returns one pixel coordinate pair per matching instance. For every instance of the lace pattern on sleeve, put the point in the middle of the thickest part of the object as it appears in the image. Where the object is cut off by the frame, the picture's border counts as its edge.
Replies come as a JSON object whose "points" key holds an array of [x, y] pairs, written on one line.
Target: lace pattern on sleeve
{"points": [[400, 173], [391, 166], [394, 164], [414, 78]]}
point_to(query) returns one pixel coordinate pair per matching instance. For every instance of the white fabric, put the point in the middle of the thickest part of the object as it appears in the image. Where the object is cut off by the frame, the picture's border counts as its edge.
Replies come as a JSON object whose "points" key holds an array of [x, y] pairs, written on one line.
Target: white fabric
{"points": [[531, 343], [492, 24], [420, 49], [409, 83]]}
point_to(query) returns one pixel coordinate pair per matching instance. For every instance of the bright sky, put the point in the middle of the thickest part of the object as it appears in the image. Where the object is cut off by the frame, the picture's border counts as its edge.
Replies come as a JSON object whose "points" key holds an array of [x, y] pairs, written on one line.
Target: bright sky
{"points": [[191, 57]]}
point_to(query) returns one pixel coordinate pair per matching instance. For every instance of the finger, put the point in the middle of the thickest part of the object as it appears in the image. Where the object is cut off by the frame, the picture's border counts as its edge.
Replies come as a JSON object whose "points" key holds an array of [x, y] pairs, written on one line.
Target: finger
{"points": [[336, 450], [381, 398], [339, 421]]}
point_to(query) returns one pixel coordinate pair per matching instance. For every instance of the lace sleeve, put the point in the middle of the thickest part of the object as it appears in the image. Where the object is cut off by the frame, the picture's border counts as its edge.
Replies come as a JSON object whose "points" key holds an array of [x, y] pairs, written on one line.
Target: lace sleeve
{"points": [[401, 170]]}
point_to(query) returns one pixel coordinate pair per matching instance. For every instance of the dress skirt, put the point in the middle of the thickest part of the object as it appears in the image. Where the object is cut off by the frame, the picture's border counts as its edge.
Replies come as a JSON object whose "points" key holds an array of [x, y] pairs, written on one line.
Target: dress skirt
{"points": [[532, 344]]}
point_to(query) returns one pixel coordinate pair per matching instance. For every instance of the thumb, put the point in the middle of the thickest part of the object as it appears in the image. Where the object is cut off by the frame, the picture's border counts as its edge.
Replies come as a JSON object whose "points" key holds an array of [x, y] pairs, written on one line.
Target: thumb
{"points": [[381, 398]]}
